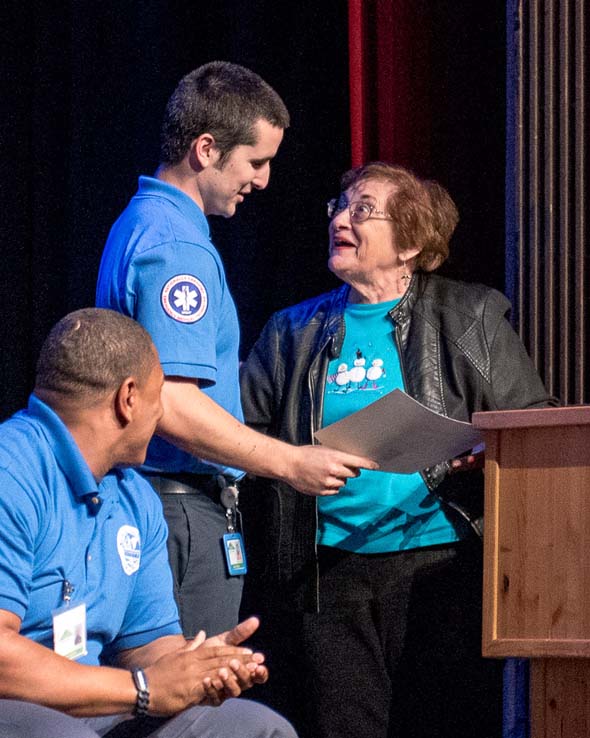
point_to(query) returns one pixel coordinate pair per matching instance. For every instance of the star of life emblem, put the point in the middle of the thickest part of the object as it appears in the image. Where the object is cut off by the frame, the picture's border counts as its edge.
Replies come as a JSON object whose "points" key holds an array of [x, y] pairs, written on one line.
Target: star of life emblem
{"points": [[129, 548], [184, 298]]}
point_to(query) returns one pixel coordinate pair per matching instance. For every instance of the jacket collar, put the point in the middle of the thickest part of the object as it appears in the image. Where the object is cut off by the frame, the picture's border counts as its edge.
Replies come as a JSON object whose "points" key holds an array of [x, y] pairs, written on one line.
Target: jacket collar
{"points": [[402, 311], [334, 325]]}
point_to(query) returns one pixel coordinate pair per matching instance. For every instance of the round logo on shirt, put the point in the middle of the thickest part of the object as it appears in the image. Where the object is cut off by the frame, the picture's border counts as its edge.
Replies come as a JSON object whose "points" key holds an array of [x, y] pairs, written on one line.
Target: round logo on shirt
{"points": [[184, 298], [129, 548]]}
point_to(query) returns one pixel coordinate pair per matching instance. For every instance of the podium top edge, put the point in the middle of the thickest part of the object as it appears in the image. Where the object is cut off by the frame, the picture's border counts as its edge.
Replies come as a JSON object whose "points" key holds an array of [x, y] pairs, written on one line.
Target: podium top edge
{"points": [[534, 417]]}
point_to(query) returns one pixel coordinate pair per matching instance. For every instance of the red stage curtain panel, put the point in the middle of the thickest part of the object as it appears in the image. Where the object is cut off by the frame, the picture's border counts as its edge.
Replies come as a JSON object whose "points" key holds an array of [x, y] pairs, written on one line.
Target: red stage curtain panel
{"points": [[389, 80]]}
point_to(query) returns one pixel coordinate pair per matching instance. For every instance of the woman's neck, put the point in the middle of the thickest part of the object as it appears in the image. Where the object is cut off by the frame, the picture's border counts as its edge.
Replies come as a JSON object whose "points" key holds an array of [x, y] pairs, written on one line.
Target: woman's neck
{"points": [[378, 290]]}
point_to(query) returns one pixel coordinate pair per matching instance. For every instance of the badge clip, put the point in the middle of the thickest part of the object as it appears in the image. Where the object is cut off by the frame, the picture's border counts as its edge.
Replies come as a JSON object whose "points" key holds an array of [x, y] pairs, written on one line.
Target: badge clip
{"points": [[233, 542]]}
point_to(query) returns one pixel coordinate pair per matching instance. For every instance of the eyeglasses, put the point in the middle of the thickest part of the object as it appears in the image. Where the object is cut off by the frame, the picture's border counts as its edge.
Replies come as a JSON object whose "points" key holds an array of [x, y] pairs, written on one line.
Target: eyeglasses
{"points": [[360, 210]]}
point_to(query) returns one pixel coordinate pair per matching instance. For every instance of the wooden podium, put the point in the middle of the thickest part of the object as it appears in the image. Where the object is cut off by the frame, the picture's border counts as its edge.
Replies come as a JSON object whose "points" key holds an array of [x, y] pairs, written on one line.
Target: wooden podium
{"points": [[537, 558]]}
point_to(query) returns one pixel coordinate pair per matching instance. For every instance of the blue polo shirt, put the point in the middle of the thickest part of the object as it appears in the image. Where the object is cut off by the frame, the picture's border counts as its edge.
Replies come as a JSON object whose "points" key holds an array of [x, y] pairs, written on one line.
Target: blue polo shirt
{"points": [[160, 268], [116, 560]]}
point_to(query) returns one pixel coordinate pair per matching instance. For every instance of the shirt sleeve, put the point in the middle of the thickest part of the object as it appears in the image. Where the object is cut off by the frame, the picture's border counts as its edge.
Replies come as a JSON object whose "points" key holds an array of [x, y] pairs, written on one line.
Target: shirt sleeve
{"points": [[19, 522], [152, 611], [175, 290]]}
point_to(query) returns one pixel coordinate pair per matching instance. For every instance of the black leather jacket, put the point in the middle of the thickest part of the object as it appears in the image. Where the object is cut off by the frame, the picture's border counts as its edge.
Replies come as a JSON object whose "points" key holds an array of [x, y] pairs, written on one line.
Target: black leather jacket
{"points": [[458, 355]]}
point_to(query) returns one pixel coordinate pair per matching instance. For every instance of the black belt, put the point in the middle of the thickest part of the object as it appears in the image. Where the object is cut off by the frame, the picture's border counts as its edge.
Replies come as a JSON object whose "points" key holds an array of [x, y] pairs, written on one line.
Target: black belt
{"points": [[185, 483]]}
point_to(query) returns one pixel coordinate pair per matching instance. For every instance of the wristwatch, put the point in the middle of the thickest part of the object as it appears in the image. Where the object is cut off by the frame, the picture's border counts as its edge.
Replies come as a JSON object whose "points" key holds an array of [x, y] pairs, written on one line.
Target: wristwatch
{"points": [[143, 693]]}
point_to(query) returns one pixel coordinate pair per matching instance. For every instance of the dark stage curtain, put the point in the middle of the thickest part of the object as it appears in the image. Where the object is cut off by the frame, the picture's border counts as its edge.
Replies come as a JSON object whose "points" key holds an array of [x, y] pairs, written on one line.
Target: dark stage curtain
{"points": [[548, 176], [84, 86], [390, 117], [427, 91]]}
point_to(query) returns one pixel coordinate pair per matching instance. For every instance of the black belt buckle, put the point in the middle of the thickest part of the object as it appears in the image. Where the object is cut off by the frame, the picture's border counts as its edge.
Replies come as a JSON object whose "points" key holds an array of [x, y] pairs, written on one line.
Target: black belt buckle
{"points": [[185, 483]]}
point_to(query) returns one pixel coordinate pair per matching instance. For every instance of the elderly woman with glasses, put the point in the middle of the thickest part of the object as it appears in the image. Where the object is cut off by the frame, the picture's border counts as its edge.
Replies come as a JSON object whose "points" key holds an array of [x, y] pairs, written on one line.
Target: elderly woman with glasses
{"points": [[371, 597]]}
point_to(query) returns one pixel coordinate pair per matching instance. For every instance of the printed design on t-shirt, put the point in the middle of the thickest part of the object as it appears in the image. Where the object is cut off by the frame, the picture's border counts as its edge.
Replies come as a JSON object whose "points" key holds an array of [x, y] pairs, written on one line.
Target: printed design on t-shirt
{"points": [[129, 548], [184, 298], [357, 377]]}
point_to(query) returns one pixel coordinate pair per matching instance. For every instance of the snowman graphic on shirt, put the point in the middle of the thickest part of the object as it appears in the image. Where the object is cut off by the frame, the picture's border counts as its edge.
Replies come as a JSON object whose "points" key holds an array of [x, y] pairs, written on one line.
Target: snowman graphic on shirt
{"points": [[358, 371], [357, 377], [375, 372]]}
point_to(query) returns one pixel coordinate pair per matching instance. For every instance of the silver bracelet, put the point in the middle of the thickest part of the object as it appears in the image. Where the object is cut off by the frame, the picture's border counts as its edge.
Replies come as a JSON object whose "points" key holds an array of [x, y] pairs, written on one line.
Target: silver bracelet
{"points": [[143, 693]]}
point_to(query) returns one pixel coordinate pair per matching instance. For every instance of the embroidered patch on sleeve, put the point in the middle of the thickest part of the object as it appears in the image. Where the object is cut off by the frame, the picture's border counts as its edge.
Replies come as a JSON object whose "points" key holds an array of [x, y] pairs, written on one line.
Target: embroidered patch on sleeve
{"points": [[184, 298]]}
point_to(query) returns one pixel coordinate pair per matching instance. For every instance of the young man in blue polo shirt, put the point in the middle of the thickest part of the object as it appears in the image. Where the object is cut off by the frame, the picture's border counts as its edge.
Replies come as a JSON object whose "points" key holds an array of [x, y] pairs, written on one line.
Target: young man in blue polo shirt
{"points": [[89, 631], [222, 127]]}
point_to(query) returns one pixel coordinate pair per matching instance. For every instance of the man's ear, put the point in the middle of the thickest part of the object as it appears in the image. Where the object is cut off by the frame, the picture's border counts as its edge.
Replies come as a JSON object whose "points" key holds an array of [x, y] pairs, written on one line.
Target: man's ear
{"points": [[126, 399], [203, 152]]}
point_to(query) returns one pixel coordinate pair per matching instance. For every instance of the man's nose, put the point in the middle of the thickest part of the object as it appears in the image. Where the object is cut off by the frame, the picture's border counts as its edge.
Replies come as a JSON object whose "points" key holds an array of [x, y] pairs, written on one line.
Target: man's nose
{"points": [[262, 177]]}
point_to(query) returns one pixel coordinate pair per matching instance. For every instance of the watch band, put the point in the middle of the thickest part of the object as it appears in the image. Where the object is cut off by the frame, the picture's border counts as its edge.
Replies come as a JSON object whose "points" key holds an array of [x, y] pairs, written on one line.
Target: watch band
{"points": [[143, 693]]}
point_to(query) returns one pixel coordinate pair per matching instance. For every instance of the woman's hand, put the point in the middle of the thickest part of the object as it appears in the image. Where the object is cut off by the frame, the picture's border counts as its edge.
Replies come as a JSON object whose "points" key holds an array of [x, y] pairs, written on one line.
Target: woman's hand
{"points": [[468, 463]]}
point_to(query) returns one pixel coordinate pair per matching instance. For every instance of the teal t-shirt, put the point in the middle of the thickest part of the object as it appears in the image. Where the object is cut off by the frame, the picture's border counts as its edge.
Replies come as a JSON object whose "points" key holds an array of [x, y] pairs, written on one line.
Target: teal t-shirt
{"points": [[376, 512]]}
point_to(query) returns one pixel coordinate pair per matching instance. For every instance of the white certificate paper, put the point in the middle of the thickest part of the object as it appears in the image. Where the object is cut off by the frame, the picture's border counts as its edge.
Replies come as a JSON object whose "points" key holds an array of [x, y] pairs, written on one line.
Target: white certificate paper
{"points": [[400, 434]]}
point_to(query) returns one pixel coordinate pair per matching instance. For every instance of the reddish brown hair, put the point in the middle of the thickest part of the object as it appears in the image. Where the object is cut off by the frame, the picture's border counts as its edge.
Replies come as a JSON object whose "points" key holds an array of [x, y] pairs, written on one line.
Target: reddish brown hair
{"points": [[422, 211]]}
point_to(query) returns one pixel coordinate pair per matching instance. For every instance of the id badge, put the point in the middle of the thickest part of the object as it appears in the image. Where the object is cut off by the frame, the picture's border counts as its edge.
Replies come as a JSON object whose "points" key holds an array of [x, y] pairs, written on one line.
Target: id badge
{"points": [[69, 631], [235, 554]]}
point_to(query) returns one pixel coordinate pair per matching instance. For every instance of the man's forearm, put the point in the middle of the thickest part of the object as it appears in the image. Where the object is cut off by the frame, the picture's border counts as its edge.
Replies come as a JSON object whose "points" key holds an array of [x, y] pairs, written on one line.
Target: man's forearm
{"points": [[177, 677], [198, 425], [146, 655], [195, 423], [33, 673]]}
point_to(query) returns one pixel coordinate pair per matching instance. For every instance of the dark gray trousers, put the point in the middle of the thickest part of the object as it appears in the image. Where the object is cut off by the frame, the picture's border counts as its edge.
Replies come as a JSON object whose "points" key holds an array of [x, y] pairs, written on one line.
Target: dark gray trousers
{"points": [[234, 719], [208, 598]]}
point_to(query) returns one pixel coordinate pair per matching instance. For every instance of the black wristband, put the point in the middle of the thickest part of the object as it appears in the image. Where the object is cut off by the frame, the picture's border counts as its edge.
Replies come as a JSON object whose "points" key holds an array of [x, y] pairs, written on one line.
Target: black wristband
{"points": [[143, 693]]}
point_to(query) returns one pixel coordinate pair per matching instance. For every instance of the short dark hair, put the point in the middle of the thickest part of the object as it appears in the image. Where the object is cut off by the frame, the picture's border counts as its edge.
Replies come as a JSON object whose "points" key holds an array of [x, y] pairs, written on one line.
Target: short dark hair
{"points": [[90, 352], [223, 99], [422, 211]]}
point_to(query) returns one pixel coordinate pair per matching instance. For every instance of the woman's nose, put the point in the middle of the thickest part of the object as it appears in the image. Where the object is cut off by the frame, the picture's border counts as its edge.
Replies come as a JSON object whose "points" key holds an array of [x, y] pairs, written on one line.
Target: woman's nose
{"points": [[341, 219]]}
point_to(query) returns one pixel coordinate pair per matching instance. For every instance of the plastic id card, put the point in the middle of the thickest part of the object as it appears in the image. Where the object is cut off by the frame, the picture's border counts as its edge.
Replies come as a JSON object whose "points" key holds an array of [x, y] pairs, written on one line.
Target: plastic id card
{"points": [[69, 631], [235, 554]]}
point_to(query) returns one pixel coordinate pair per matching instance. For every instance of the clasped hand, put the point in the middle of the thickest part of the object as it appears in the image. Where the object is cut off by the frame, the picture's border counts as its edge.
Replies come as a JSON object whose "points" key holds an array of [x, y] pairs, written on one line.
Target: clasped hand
{"points": [[206, 671]]}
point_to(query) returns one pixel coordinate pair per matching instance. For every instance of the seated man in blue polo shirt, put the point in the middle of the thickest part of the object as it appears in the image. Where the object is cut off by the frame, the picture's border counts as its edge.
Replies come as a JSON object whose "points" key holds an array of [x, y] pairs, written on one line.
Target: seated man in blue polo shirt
{"points": [[90, 643]]}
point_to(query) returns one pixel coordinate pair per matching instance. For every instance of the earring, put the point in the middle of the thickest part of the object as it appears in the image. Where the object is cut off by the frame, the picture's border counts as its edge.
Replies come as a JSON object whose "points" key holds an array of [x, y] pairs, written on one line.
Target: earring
{"points": [[406, 276]]}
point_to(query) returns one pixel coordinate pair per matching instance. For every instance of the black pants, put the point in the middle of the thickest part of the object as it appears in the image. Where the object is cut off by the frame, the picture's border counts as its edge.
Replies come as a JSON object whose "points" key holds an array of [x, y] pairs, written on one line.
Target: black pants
{"points": [[393, 653]]}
